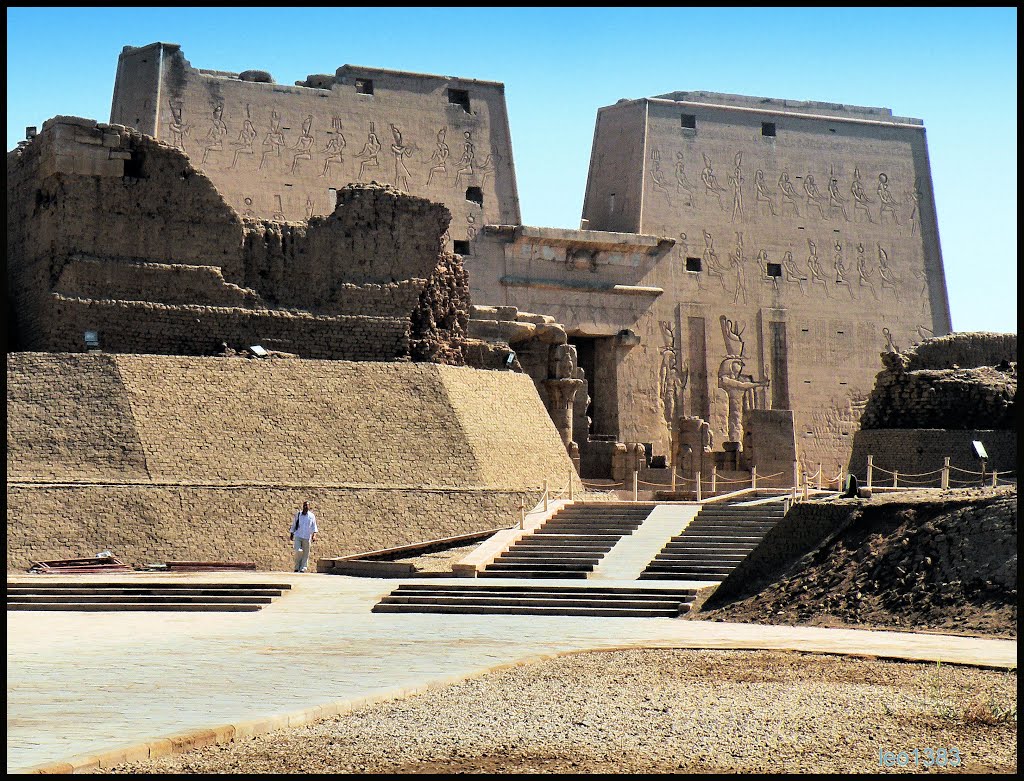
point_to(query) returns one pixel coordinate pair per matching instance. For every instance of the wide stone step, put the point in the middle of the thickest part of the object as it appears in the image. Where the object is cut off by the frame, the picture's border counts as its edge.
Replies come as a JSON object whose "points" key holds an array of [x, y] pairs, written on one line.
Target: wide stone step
{"points": [[192, 592], [582, 594], [682, 576], [527, 588], [543, 545], [498, 566], [141, 599], [130, 606], [607, 612], [533, 574], [682, 558], [531, 601], [548, 559], [45, 582]]}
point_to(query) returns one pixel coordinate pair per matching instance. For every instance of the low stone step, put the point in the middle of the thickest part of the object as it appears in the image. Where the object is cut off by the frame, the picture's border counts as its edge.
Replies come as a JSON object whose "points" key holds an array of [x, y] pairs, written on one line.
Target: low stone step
{"points": [[682, 576], [119, 607], [545, 588], [45, 581], [541, 593], [681, 558], [533, 574], [520, 601], [130, 599], [498, 566], [530, 611], [201, 592]]}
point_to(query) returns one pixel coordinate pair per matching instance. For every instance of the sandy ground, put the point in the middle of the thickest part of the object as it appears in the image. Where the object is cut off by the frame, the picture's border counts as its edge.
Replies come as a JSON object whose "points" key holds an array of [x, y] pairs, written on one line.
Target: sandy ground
{"points": [[657, 711]]}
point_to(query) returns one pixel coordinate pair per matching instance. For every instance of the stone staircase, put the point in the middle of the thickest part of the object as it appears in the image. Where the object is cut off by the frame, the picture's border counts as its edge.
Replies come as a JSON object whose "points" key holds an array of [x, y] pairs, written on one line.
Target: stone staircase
{"points": [[537, 600], [715, 542], [111, 596], [571, 542]]}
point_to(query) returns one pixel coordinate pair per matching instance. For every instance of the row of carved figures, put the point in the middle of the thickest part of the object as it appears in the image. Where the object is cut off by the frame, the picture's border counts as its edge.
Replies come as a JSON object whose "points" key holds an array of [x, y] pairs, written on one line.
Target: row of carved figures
{"points": [[783, 196], [275, 151]]}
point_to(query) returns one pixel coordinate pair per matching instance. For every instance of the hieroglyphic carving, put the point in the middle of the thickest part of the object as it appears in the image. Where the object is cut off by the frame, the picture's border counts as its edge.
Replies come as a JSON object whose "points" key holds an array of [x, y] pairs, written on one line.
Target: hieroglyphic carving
{"points": [[470, 227], [863, 275], [925, 333], [814, 268], [739, 388], [886, 275], [921, 275], [861, 202], [886, 201], [214, 141], [246, 139], [736, 180], [683, 185], [840, 267], [466, 165], [657, 177], [489, 167], [334, 152], [369, 153], [304, 145], [273, 141], [835, 200], [310, 207], [711, 185], [763, 195], [672, 379], [736, 261], [814, 196], [792, 274], [890, 342], [762, 264], [439, 158], [279, 211], [401, 151], [789, 193], [178, 127], [247, 210], [915, 213], [711, 262]]}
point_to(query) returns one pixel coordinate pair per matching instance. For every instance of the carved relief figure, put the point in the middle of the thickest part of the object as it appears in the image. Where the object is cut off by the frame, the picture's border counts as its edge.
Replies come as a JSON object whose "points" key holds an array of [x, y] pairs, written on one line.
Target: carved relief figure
{"points": [[489, 167], [789, 193], [886, 201], [671, 381], [792, 274], [711, 185], [179, 129], [863, 275], [246, 138], [470, 227], [890, 343], [736, 264], [925, 333], [710, 261], [335, 150], [369, 153], [279, 211], [814, 268], [401, 151], [214, 141], [841, 280], [739, 388], [814, 196], [732, 334], [657, 177], [310, 207], [465, 166], [835, 200], [886, 275], [736, 180], [762, 263], [921, 275], [304, 146], [274, 139], [763, 195], [439, 158], [860, 198], [915, 213], [682, 183]]}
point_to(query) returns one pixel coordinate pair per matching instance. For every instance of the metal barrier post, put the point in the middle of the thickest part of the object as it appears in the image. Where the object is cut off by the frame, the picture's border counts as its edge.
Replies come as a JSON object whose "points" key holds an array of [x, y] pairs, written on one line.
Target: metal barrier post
{"points": [[714, 480], [995, 478], [673, 479], [522, 515], [796, 474], [698, 488], [570, 483], [545, 496], [636, 493], [871, 466], [944, 481], [805, 486], [895, 478], [753, 477], [819, 475], [842, 478]]}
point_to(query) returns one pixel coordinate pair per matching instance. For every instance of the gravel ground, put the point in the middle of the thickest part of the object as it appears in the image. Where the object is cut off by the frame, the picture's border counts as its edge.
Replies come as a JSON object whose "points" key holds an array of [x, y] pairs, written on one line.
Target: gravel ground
{"points": [[653, 710]]}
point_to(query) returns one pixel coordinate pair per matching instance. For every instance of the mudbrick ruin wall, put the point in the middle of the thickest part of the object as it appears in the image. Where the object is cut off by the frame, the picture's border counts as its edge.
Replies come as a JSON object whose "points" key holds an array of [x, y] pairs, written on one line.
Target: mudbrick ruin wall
{"points": [[932, 401], [113, 232], [164, 457]]}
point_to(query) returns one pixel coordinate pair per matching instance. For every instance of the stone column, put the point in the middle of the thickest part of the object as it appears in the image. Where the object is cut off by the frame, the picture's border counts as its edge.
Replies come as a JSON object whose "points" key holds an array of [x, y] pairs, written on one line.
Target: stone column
{"points": [[561, 394]]}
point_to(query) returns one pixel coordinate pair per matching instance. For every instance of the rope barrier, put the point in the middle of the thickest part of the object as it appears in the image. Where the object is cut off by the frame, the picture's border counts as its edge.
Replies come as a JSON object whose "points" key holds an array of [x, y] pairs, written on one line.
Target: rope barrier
{"points": [[926, 483], [967, 471]]}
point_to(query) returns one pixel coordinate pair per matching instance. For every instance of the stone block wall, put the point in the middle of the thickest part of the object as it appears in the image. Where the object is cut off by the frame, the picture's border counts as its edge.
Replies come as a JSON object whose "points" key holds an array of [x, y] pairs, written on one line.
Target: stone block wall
{"points": [[966, 350], [163, 457], [919, 451]]}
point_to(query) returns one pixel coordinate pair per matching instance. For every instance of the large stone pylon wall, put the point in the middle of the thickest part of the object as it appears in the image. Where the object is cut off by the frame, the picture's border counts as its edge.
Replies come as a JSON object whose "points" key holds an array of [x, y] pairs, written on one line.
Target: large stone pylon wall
{"points": [[805, 243], [281, 152]]}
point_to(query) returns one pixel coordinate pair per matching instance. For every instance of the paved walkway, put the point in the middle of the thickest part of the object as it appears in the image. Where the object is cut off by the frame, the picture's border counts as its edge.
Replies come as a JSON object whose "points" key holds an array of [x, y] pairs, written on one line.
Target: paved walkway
{"points": [[82, 683], [635, 551]]}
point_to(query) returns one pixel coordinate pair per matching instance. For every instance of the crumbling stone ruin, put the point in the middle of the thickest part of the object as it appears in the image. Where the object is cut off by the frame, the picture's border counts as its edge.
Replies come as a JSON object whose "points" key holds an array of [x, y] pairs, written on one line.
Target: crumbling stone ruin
{"points": [[114, 234]]}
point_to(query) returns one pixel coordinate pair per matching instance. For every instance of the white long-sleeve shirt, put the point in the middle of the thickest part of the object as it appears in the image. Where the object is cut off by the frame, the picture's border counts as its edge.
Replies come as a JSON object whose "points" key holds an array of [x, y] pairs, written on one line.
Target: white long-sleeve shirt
{"points": [[304, 526]]}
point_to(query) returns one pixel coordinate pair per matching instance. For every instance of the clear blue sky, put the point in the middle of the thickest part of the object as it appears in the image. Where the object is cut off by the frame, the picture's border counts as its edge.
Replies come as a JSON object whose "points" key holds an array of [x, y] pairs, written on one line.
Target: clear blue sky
{"points": [[954, 68]]}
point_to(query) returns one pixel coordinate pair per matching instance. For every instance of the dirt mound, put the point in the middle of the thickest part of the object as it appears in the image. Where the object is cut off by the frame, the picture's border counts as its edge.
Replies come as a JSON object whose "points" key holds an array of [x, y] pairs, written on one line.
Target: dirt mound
{"points": [[910, 562]]}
